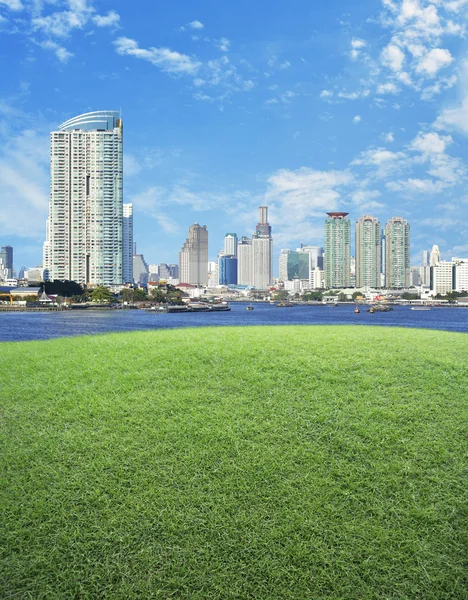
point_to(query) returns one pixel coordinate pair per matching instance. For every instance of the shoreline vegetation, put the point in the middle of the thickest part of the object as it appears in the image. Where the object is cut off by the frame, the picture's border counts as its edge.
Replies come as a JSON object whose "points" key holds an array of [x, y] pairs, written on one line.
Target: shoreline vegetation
{"points": [[248, 462]]}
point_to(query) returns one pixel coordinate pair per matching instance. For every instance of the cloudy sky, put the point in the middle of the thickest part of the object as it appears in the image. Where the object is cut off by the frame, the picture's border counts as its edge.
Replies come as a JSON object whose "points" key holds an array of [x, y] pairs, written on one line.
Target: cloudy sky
{"points": [[306, 106]]}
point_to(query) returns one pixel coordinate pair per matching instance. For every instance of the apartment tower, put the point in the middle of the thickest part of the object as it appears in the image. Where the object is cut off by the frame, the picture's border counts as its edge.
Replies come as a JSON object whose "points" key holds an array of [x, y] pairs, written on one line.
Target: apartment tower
{"points": [[193, 258], [262, 252], [127, 243], [397, 271], [244, 261], [337, 264], [84, 229], [368, 251]]}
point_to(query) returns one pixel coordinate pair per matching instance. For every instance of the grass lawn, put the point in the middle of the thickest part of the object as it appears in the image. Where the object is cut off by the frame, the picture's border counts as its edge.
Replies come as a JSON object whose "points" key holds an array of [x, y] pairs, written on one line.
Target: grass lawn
{"points": [[262, 462]]}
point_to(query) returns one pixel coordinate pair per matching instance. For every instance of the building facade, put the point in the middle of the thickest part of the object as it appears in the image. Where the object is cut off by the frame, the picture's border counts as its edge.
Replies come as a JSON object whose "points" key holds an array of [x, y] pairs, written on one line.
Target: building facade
{"points": [[193, 258], [244, 262], [6, 257], [85, 224], [397, 270], [227, 270], [127, 243], [230, 244], [368, 250], [337, 263], [262, 252]]}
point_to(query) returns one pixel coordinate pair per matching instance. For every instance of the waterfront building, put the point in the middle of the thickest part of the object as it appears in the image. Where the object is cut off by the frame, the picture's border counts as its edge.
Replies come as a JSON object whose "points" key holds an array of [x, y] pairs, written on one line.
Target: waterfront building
{"points": [[230, 244], [397, 271], [140, 270], [383, 257], [293, 265], [317, 278], [84, 232], [425, 269], [193, 258], [127, 243], [227, 270], [337, 250], [4, 274], [244, 262], [6, 257], [461, 274], [262, 252], [435, 256], [368, 251], [442, 278]]}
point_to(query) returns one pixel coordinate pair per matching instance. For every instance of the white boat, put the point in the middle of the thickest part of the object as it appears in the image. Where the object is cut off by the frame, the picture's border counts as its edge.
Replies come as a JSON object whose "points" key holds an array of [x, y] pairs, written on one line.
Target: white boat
{"points": [[420, 308]]}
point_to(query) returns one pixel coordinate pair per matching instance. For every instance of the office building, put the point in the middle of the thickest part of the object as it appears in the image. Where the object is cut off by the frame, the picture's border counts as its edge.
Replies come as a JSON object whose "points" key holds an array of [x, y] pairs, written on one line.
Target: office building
{"points": [[397, 271], [435, 256], [337, 263], [84, 232], [415, 278], [244, 262], [127, 243], [227, 270], [140, 270], [230, 244], [6, 256], [368, 250], [461, 274], [315, 255], [193, 258], [293, 265], [442, 278], [262, 252], [425, 269]]}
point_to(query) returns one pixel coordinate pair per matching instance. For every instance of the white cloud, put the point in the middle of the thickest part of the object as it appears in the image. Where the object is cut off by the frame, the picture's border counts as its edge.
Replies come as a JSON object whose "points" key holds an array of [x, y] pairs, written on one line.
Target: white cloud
{"points": [[13, 4], [165, 59], [61, 23], [62, 54], [435, 60], [326, 94], [417, 186], [357, 44], [196, 25], [223, 44], [110, 20], [430, 143], [388, 88], [357, 119], [389, 137], [454, 118], [393, 57]]}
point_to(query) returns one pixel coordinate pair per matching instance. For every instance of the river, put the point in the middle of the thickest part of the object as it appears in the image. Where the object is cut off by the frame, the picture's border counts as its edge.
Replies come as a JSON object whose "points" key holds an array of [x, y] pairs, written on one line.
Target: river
{"points": [[18, 326]]}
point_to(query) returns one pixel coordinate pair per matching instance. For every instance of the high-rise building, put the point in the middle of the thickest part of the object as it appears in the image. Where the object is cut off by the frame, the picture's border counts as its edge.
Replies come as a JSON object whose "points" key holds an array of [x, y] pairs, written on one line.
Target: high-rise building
{"points": [[244, 262], [461, 274], [442, 277], [315, 255], [368, 252], [127, 243], [262, 252], [397, 271], [230, 244], [227, 270], [140, 269], [6, 256], [425, 268], [84, 233], [293, 265], [434, 258], [337, 250], [193, 258]]}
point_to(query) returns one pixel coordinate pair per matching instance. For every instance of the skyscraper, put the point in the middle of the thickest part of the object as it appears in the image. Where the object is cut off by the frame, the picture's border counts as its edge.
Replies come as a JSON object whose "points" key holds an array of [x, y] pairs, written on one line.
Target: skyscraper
{"points": [[262, 252], [227, 270], [230, 244], [84, 232], [244, 261], [434, 258], [368, 252], [337, 250], [6, 256], [127, 243], [193, 258], [397, 272]]}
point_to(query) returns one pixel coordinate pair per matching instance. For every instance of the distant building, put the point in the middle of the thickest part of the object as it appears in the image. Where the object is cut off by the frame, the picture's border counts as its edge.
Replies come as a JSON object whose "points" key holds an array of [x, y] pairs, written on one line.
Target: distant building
{"points": [[337, 250], [368, 251], [168, 271], [435, 256], [6, 257], [244, 262], [262, 252], [193, 258], [230, 244], [127, 243], [397, 272], [415, 276], [140, 270], [461, 274], [293, 265], [227, 270], [442, 278], [425, 268]]}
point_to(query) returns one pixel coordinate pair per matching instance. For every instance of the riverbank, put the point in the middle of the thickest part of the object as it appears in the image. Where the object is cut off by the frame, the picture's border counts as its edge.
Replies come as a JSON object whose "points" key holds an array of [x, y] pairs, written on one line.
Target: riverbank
{"points": [[294, 462]]}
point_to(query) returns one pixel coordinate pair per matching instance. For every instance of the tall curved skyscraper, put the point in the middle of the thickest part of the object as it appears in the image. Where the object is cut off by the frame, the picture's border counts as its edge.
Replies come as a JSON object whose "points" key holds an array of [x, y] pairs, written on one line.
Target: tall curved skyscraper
{"points": [[84, 228]]}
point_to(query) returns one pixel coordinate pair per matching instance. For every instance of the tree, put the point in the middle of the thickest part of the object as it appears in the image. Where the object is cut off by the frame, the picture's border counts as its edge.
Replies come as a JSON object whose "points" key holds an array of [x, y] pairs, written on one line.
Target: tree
{"points": [[342, 297], [139, 295], [281, 295], [126, 295], [356, 295], [158, 295], [63, 288], [101, 294]]}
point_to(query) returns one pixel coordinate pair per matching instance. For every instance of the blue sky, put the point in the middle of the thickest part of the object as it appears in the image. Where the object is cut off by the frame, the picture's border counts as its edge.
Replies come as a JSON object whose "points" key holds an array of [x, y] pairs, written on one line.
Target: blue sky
{"points": [[305, 106]]}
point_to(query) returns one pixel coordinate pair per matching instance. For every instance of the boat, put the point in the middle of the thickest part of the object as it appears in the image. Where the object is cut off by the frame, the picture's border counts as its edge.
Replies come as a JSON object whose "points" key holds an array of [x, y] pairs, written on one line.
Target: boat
{"points": [[284, 304], [198, 307], [356, 310], [223, 306], [420, 308], [249, 307]]}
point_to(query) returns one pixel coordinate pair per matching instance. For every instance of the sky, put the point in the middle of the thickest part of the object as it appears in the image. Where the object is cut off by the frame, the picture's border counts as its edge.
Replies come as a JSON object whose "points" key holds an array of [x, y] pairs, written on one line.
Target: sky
{"points": [[306, 106]]}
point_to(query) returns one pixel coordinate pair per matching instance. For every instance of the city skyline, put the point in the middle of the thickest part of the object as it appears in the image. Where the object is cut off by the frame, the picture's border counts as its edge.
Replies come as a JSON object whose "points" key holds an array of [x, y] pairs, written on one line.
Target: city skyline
{"points": [[232, 113]]}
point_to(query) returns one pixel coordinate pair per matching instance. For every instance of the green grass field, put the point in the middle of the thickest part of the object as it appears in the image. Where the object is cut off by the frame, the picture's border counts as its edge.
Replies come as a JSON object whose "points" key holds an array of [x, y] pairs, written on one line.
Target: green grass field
{"points": [[292, 462]]}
